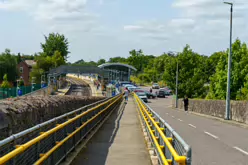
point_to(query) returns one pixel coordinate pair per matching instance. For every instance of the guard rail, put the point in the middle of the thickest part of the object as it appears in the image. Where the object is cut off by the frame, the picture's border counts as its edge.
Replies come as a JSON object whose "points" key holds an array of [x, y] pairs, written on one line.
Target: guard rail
{"points": [[170, 148], [60, 138]]}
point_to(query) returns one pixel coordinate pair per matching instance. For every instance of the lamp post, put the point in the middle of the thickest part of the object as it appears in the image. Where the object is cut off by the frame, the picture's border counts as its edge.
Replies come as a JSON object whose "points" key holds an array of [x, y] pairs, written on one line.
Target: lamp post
{"points": [[177, 86], [227, 115]]}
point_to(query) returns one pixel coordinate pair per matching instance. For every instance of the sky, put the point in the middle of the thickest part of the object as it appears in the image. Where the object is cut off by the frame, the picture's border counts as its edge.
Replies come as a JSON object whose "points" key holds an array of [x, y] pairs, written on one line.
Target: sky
{"points": [[108, 28]]}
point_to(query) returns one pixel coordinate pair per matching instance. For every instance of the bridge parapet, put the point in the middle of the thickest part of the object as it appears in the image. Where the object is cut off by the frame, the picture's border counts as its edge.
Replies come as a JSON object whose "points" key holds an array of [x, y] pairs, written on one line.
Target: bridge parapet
{"points": [[52, 141]]}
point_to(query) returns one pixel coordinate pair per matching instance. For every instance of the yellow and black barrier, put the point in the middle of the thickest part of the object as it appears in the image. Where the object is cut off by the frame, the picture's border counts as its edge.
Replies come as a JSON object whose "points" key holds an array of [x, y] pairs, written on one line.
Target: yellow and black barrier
{"points": [[169, 146]]}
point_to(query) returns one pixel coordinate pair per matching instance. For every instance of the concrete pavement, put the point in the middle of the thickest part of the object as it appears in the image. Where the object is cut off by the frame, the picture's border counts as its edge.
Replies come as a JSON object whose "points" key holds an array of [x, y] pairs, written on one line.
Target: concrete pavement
{"points": [[213, 142], [119, 141]]}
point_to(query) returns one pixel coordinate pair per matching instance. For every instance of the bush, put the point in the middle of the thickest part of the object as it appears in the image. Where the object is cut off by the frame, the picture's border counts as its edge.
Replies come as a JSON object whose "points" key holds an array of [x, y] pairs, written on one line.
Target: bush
{"points": [[5, 83]]}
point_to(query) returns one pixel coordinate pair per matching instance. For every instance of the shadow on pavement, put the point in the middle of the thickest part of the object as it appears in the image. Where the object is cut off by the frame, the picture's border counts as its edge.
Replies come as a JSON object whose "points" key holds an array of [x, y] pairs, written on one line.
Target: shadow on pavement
{"points": [[96, 151]]}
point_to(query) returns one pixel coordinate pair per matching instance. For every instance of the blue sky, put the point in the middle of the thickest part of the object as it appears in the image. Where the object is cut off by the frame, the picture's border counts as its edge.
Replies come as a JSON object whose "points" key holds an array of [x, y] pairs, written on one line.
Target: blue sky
{"points": [[108, 28]]}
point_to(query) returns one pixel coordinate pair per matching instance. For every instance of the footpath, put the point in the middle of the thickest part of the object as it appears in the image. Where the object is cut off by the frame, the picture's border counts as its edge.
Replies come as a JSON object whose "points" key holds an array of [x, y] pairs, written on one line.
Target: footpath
{"points": [[119, 141]]}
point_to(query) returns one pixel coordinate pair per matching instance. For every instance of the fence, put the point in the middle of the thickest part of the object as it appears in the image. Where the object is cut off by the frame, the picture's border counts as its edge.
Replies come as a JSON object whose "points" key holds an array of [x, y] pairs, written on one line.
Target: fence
{"points": [[55, 139], [13, 92], [169, 146]]}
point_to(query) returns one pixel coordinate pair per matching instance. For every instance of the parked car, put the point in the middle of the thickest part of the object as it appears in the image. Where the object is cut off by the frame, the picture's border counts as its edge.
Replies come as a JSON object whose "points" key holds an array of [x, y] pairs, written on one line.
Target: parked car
{"points": [[143, 96], [162, 93], [168, 92], [155, 86], [150, 95], [138, 90]]}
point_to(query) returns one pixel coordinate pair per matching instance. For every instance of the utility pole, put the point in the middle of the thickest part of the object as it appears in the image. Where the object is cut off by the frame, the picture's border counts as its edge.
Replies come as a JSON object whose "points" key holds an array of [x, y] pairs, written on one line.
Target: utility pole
{"points": [[177, 87], [227, 115]]}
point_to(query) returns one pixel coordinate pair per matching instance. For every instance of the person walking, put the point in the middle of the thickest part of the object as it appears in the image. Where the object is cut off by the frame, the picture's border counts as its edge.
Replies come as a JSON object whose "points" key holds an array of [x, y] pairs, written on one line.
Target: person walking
{"points": [[126, 93], [186, 103]]}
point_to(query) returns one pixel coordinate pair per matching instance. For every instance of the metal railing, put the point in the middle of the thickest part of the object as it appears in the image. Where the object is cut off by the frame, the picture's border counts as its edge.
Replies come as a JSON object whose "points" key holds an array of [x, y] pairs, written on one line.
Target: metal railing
{"points": [[13, 92], [60, 137], [170, 148]]}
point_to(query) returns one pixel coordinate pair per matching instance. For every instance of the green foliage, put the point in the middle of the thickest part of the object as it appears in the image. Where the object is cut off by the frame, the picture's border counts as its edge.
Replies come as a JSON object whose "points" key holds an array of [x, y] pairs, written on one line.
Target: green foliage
{"points": [[8, 63], [101, 61], [36, 72], [138, 60], [239, 74], [83, 63], [56, 42], [192, 75], [21, 83], [5, 83], [118, 60], [55, 53]]}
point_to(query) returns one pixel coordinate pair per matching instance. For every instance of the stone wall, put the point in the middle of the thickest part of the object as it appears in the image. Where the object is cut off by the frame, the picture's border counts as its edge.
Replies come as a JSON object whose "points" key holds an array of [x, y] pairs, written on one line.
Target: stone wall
{"points": [[21, 113], [217, 108]]}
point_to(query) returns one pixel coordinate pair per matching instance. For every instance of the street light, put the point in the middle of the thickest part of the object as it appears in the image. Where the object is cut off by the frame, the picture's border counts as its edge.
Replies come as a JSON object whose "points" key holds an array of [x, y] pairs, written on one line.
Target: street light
{"points": [[177, 87], [227, 115]]}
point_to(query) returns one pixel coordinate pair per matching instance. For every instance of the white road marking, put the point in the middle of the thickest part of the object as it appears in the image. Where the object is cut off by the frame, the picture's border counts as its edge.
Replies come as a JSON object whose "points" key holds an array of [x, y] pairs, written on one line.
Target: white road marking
{"points": [[192, 125], [173, 116], [239, 149], [179, 119], [211, 135], [167, 113]]}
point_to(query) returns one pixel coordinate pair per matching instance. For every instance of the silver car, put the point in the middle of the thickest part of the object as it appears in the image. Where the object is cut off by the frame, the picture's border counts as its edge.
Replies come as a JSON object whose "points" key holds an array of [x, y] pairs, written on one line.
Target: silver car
{"points": [[155, 86]]}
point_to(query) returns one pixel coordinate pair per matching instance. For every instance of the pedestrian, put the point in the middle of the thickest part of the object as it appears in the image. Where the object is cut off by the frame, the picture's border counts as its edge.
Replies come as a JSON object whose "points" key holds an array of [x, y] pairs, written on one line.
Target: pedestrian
{"points": [[186, 103], [150, 90], [126, 93]]}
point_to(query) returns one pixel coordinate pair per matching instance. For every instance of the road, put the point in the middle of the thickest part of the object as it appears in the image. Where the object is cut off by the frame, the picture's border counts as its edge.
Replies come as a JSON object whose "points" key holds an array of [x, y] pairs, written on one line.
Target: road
{"points": [[79, 88], [213, 142]]}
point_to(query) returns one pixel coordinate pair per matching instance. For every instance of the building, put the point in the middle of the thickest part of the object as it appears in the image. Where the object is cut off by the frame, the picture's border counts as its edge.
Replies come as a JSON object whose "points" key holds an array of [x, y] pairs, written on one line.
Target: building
{"points": [[117, 71], [24, 68]]}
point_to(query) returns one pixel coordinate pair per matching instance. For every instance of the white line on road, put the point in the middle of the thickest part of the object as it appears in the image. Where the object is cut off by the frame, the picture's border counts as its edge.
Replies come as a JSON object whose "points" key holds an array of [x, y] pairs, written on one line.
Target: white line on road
{"points": [[173, 116], [239, 149], [192, 125], [211, 135], [179, 119], [167, 113]]}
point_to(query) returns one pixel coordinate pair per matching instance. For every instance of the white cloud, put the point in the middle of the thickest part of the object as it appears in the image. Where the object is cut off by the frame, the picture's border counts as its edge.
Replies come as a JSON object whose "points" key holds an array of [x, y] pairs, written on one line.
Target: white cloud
{"points": [[55, 13]]}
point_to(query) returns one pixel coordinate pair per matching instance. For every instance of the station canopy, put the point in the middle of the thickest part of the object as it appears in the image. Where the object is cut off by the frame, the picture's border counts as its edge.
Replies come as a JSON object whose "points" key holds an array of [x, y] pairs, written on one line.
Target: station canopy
{"points": [[117, 66]]}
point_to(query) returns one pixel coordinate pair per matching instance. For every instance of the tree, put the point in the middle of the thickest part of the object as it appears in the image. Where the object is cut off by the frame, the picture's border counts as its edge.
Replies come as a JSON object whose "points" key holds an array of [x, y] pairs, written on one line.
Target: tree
{"points": [[238, 74], [192, 76], [57, 59], [118, 60], [36, 72], [5, 83], [101, 61], [56, 42], [19, 58], [8, 63]]}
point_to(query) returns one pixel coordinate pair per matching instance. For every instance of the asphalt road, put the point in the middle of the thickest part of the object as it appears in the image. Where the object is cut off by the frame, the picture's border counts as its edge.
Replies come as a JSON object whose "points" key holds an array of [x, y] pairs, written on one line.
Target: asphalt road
{"points": [[213, 142]]}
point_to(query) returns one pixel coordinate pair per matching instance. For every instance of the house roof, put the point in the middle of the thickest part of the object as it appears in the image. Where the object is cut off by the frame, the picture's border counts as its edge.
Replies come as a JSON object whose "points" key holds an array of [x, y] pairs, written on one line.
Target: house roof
{"points": [[30, 62]]}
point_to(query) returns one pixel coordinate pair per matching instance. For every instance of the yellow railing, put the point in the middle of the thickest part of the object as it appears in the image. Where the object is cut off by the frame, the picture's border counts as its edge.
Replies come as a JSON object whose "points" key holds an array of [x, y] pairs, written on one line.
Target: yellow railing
{"points": [[149, 121], [21, 148]]}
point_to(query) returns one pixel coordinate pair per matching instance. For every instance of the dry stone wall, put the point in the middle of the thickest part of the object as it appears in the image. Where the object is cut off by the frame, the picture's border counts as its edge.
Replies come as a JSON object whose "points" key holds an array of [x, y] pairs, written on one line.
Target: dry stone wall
{"points": [[21, 113], [216, 108]]}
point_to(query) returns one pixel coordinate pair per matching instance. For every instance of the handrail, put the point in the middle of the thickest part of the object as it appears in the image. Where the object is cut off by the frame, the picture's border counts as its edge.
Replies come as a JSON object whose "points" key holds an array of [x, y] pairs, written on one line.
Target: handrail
{"points": [[46, 155], [22, 148], [177, 158], [164, 160], [185, 145]]}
